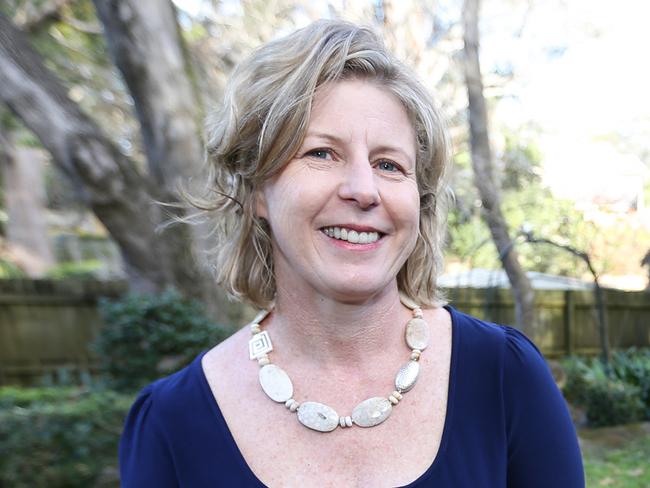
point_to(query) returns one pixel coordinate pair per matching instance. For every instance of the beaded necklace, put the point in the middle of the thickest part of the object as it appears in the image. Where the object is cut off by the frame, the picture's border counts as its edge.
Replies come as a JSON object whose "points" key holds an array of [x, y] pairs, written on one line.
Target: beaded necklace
{"points": [[278, 387]]}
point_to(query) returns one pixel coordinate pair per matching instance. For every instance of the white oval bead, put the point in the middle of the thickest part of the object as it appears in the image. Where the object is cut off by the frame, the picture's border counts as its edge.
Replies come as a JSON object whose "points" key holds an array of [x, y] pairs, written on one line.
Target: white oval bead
{"points": [[276, 383], [407, 376], [417, 334], [318, 416], [371, 412]]}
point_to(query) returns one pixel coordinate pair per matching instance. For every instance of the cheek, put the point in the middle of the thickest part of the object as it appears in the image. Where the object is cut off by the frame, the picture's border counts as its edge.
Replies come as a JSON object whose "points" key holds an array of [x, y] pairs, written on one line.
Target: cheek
{"points": [[291, 204], [405, 206], [407, 216]]}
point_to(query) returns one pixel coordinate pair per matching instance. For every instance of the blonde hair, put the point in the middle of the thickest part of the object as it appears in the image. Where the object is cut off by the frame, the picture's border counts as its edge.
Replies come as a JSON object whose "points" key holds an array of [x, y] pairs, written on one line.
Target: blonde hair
{"points": [[261, 126]]}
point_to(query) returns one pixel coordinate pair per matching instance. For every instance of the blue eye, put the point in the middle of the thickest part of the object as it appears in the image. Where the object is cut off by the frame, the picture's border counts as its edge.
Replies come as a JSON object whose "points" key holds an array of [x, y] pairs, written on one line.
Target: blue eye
{"points": [[387, 166], [319, 153]]}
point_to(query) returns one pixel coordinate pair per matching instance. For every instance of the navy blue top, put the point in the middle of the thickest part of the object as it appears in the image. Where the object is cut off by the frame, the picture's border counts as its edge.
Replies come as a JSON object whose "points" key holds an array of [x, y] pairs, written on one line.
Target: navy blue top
{"points": [[507, 424]]}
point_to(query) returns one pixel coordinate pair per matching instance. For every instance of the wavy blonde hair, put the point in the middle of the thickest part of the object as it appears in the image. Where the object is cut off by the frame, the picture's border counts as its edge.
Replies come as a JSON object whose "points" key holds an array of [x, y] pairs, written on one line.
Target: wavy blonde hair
{"points": [[261, 126]]}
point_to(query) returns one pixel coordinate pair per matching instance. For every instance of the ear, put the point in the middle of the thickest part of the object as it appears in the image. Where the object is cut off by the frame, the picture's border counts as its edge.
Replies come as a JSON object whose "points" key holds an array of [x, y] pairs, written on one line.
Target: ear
{"points": [[261, 209]]}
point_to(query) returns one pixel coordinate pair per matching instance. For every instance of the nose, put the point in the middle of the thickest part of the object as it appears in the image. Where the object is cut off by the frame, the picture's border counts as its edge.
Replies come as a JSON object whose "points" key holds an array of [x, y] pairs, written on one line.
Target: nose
{"points": [[359, 184]]}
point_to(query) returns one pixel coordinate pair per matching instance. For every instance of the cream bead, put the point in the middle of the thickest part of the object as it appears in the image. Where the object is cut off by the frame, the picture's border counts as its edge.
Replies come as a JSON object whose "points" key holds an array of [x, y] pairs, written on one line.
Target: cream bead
{"points": [[263, 361], [291, 404]]}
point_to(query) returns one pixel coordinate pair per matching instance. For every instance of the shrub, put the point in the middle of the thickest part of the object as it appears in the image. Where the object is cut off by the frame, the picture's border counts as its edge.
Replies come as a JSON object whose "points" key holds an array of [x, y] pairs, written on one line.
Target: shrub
{"points": [[633, 367], [609, 398], [59, 437], [578, 380], [613, 402], [149, 336], [14, 396]]}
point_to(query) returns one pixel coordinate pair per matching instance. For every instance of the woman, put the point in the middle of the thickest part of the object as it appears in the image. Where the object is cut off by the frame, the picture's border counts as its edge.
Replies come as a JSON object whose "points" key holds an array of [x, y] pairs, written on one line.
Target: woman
{"points": [[328, 159]]}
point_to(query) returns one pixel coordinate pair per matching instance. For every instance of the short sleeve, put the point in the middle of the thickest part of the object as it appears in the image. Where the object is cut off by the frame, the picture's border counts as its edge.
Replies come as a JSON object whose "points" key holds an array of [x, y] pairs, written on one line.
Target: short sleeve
{"points": [[144, 453], [543, 447]]}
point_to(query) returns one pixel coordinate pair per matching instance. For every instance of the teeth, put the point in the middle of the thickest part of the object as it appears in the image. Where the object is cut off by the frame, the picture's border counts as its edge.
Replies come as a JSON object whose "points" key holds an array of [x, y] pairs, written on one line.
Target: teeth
{"points": [[351, 235]]}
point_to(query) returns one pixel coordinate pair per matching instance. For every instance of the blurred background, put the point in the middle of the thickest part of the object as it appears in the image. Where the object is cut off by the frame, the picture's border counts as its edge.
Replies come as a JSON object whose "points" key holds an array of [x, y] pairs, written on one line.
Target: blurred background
{"points": [[102, 110]]}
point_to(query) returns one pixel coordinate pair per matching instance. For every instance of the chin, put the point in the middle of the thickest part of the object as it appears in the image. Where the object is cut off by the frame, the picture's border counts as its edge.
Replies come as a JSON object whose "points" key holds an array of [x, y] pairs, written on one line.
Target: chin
{"points": [[353, 291]]}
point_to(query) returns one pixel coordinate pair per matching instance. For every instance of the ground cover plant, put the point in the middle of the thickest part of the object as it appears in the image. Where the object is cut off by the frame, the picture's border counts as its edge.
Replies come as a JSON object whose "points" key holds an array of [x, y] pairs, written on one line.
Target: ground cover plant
{"points": [[617, 456], [60, 437]]}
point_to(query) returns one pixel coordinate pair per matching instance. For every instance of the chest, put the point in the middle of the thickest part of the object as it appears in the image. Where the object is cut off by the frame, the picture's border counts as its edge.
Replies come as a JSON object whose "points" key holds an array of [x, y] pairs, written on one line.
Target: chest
{"points": [[393, 454], [282, 452]]}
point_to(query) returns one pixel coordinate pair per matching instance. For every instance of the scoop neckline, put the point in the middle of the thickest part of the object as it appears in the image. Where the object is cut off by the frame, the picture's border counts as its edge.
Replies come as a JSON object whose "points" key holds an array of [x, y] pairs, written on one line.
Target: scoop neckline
{"points": [[446, 430]]}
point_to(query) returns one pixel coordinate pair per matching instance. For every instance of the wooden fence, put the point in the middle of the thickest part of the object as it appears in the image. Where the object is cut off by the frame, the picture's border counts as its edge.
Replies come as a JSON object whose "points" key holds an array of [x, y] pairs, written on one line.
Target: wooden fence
{"points": [[567, 321], [47, 325]]}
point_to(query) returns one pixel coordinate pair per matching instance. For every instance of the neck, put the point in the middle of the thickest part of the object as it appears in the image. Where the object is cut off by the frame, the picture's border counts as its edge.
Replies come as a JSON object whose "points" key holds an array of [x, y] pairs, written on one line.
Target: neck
{"points": [[329, 333]]}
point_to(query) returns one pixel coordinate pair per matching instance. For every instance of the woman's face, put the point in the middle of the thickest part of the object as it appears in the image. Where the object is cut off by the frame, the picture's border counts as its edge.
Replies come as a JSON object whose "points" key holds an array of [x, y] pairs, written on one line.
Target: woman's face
{"points": [[344, 212]]}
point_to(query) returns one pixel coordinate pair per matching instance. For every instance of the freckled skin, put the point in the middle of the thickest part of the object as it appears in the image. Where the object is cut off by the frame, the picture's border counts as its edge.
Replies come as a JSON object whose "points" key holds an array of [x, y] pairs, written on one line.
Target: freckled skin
{"points": [[356, 166]]}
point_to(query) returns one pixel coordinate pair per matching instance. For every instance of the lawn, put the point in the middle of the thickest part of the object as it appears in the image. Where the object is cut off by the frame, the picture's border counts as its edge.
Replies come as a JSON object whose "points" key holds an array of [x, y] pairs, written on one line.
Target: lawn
{"points": [[617, 456]]}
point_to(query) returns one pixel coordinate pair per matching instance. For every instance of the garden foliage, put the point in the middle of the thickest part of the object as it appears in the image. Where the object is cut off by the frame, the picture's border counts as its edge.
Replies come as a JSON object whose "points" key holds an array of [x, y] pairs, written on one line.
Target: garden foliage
{"points": [[618, 396], [60, 437], [146, 337], [68, 436]]}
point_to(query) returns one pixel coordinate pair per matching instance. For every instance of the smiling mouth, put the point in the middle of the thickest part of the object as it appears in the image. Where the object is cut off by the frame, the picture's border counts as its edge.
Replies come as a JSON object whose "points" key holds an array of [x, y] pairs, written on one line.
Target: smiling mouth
{"points": [[353, 236]]}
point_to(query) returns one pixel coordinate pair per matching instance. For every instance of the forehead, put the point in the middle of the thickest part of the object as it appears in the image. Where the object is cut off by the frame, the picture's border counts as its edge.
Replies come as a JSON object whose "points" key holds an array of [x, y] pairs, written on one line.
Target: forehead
{"points": [[355, 106]]}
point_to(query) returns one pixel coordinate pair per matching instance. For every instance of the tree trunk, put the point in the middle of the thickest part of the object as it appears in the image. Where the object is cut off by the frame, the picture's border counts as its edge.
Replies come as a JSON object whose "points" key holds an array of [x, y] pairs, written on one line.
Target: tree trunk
{"points": [[24, 195], [106, 180], [146, 45], [483, 172]]}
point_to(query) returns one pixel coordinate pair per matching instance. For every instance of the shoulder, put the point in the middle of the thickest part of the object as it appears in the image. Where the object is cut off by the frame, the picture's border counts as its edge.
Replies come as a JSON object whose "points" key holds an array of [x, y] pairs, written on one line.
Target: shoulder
{"points": [[476, 329], [146, 446], [510, 341], [478, 341], [170, 395], [542, 448], [502, 353], [229, 349]]}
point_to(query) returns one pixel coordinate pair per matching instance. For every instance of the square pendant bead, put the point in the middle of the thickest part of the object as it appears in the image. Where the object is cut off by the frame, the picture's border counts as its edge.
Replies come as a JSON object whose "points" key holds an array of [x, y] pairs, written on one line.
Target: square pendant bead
{"points": [[259, 345]]}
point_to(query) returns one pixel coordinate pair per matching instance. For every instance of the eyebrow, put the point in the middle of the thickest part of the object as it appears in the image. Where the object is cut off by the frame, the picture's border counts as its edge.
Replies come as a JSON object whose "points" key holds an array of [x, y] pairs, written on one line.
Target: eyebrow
{"points": [[340, 141], [323, 135]]}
